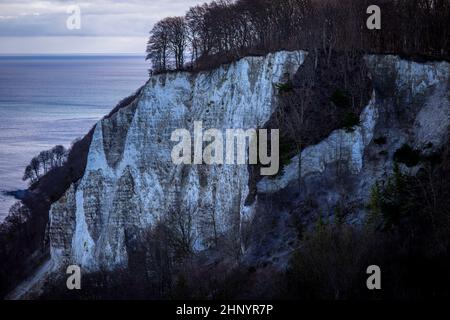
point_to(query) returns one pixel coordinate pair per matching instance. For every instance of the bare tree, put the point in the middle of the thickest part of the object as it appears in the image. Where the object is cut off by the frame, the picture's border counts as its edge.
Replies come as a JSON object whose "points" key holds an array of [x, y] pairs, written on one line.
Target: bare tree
{"points": [[157, 47], [46, 160], [29, 174], [178, 39], [226, 30], [59, 154], [36, 167], [180, 222]]}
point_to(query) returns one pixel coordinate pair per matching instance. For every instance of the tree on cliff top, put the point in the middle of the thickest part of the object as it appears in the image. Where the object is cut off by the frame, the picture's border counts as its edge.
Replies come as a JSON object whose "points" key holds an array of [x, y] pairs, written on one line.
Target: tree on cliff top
{"points": [[223, 31], [45, 162]]}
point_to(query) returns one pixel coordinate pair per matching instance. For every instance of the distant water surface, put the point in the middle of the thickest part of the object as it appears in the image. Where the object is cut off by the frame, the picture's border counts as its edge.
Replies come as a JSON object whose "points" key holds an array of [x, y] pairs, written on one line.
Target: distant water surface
{"points": [[50, 100]]}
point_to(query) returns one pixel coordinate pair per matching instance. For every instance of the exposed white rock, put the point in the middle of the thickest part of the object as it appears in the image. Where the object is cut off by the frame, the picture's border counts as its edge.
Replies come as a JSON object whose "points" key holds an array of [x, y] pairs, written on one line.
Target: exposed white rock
{"points": [[130, 182], [411, 81], [433, 119], [341, 145]]}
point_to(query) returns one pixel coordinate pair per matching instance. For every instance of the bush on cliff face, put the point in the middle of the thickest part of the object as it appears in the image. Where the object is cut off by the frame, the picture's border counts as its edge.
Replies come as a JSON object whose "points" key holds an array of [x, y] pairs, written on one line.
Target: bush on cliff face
{"points": [[341, 98], [284, 88], [407, 156], [350, 121]]}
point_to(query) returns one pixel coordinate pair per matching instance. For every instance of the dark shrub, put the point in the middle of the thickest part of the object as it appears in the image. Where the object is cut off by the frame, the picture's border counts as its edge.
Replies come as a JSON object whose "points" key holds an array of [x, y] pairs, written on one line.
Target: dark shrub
{"points": [[285, 87], [407, 155], [380, 141], [341, 98], [350, 120]]}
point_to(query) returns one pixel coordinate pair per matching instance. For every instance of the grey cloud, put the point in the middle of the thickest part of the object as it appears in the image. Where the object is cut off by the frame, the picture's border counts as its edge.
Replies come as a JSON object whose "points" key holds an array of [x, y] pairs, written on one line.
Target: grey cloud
{"points": [[99, 17]]}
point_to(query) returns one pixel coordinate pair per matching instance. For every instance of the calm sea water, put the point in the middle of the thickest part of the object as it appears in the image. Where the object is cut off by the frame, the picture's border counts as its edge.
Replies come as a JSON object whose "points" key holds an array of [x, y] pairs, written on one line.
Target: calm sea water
{"points": [[45, 101]]}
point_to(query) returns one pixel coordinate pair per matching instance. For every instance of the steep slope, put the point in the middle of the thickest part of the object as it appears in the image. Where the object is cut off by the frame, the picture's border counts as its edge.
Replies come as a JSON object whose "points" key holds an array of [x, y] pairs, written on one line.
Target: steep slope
{"points": [[409, 110], [410, 105], [130, 185], [130, 182]]}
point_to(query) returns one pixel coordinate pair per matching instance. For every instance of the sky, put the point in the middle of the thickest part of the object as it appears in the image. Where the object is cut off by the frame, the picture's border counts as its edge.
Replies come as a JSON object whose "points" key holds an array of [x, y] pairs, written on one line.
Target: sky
{"points": [[106, 26]]}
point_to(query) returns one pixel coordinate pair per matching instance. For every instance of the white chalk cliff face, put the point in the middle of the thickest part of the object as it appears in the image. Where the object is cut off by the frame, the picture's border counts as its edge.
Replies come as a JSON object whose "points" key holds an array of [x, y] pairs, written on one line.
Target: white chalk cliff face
{"points": [[130, 182]]}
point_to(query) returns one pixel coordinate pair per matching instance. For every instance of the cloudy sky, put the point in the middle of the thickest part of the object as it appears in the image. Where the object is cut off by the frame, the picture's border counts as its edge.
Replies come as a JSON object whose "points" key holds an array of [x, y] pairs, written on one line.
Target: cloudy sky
{"points": [[107, 26]]}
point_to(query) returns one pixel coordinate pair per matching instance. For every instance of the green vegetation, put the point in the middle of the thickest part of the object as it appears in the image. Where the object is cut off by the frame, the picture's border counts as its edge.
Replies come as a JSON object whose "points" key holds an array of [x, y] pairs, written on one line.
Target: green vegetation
{"points": [[285, 87], [390, 200], [287, 151], [374, 204], [339, 215]]}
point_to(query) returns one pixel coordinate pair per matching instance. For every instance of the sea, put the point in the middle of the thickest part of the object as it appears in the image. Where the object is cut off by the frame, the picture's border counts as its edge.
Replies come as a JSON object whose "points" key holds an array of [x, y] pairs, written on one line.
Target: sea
{"points": [[53, 100]]}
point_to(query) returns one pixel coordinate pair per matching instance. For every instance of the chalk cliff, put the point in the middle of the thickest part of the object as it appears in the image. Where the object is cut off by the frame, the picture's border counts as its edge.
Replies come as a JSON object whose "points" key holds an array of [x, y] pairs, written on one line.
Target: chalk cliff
{"points": [[410, 105], [130, 183]]}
